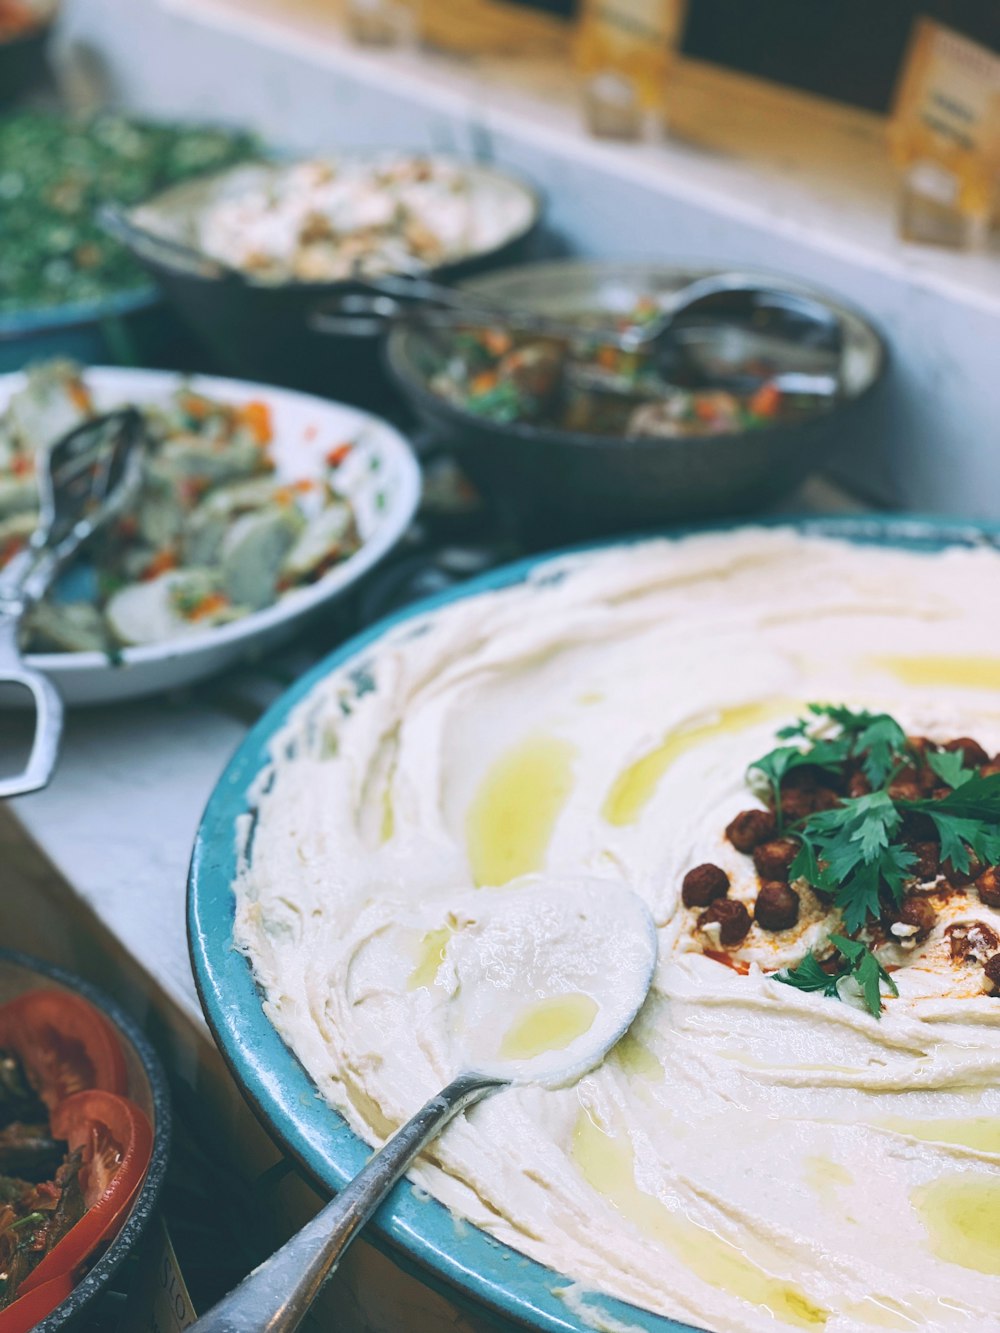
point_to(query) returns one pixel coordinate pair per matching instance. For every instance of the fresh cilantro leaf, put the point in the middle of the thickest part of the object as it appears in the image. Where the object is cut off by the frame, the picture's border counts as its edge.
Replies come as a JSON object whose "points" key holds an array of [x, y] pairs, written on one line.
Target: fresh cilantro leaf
{"points": [[857, 896], [867, 971], [876, 738], [854, 851], [853, 950], [799, 728], [883, 743], [955, 833], [859, 963], [978, 798], [876, 819], [810, 976], [806, 865], [773, 767], [949, 766], [870, 975]]}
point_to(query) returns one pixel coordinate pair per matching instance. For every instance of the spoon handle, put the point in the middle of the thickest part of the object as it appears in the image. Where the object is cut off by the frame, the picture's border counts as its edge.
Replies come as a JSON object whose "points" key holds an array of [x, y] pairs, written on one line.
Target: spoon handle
{"points": [[277, 1295], [366, 304]]}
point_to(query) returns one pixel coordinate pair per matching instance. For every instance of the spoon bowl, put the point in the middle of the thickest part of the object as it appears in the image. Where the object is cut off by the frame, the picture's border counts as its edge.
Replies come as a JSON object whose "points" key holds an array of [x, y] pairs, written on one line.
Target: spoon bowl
{"points": [[539, 981]]}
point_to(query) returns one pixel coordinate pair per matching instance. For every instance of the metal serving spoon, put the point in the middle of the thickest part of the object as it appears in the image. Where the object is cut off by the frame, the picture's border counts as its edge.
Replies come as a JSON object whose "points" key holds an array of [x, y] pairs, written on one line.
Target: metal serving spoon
{"points": [[277, 1295], [85, 478], [396, 296]]}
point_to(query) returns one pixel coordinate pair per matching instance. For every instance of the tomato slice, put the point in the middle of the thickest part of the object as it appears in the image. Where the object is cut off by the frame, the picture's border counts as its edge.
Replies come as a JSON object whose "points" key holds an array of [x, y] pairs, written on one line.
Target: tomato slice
{"points": [[116, 1141], [28, 1310], [65, 1044]]}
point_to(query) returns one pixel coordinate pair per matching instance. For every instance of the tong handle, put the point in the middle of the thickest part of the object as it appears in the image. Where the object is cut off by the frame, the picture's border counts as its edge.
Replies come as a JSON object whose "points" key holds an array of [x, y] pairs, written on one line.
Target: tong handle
{"points": [[365, 306], [48, 714]]}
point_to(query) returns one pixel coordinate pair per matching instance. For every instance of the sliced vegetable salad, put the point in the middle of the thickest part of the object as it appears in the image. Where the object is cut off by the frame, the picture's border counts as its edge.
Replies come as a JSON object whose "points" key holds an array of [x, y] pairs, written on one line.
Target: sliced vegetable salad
{"points": [[507, 378], [56, 172], [214, 534]]}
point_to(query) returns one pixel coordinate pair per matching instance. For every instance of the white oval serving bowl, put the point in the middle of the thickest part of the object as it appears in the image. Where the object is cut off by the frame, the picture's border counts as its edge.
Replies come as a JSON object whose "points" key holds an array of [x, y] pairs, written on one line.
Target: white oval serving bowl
{"points": [[381, 478]]}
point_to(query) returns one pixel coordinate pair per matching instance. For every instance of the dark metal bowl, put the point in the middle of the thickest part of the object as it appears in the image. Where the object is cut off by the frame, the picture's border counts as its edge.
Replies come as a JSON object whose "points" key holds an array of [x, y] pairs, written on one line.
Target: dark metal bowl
{"points": [[263, 332], [588, 484], [147, 1086], [23, 60]]}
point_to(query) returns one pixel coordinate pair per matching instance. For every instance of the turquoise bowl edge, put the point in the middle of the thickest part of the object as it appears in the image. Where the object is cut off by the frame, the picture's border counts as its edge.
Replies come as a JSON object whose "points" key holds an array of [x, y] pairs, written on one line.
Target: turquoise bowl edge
{"points": [[447, 1252]]}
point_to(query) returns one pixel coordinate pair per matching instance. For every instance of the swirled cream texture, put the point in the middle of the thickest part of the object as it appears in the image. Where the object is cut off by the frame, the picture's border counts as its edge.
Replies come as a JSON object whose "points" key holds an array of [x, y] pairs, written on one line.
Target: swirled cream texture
{"points": [[750, 1157]]}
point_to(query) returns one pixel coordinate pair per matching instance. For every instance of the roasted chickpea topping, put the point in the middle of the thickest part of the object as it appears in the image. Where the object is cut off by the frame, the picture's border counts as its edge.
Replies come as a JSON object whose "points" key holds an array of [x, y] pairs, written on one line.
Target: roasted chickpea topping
{"points": [[992, 970], [751, 827], [773, 859], [988, 886], [727, 918], [703, 885], [912, 922], [928, 865], [991, 769], [777, 907], [919, 745], [971, 941], [825, 798], [858, 785], [972, 752], [960, 879], [797, 803]]}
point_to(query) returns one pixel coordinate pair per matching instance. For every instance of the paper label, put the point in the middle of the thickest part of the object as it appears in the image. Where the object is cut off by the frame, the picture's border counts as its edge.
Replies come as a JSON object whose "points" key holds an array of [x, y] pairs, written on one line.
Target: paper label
{"points": [[159, 1301], [642, 20], [951, 85]]}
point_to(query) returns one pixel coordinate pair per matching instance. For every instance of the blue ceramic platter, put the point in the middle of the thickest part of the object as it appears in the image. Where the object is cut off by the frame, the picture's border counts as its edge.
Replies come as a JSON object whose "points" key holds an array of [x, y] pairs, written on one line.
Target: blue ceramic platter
{"points": [[421, 1233], [92, 332]]}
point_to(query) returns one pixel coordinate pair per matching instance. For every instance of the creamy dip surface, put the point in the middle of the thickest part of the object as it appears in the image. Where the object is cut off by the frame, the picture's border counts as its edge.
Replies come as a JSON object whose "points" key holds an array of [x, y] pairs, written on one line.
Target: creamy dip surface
{"points": [[750, 1156]]}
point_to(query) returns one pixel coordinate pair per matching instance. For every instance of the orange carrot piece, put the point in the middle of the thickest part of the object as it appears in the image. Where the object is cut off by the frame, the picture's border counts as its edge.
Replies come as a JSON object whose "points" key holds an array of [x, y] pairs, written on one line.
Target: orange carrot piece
{"points": [[766, 401], [256, 416]]}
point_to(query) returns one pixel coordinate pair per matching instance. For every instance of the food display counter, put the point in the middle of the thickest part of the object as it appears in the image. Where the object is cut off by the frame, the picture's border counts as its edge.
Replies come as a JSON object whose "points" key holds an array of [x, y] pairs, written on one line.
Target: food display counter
{"points": [[420, 522]]}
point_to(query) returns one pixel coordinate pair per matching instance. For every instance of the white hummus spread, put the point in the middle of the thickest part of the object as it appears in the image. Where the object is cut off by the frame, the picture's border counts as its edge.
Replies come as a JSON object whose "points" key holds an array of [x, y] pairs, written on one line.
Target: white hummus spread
{"points": [[750, 1156]]}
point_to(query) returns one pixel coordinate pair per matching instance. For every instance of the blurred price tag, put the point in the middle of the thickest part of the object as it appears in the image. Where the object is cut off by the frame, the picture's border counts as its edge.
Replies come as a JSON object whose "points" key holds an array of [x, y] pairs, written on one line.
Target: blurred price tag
{"points": [[158, 1301], [945, 137]]}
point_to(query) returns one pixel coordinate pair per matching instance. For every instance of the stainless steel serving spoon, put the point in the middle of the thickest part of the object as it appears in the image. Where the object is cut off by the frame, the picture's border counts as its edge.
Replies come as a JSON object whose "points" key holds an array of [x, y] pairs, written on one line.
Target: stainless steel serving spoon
{"points": [[84, 479], [277, 1295], [366, 303]]}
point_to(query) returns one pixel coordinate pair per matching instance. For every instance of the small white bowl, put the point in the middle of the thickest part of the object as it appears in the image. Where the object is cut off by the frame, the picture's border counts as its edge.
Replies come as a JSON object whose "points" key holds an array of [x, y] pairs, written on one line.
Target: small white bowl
{"points": [[381, 478]]}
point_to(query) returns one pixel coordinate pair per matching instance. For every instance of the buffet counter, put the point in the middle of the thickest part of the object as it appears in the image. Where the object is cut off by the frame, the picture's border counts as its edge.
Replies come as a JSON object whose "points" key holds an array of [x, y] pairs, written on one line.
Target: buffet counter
{"points": [[789, 173], [135, 778]]}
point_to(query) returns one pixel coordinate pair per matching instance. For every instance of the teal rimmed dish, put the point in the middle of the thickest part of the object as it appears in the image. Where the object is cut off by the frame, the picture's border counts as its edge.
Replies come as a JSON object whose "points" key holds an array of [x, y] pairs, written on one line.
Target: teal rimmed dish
{"points": [[421, 1234]]}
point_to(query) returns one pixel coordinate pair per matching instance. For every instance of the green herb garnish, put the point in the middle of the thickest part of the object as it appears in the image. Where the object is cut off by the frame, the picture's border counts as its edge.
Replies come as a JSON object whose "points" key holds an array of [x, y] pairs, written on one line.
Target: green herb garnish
{"points": [[856, 851], [858, 962]]}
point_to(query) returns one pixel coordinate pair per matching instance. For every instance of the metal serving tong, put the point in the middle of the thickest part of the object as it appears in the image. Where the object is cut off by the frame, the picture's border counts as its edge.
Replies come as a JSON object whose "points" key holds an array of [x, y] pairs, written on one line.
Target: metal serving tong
{"points": [[84, 479]]}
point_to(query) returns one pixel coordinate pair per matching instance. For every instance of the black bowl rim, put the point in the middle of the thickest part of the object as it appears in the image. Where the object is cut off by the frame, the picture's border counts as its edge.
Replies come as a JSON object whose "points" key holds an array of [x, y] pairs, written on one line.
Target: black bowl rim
{"points": [[276, 156], [414, 387], [37, 31], [145, 1203], [38, 320]]}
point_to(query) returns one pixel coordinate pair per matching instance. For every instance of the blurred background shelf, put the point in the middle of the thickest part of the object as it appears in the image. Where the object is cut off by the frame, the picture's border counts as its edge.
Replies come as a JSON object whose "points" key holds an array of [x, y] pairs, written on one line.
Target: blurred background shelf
{"points": [[750, 172]]}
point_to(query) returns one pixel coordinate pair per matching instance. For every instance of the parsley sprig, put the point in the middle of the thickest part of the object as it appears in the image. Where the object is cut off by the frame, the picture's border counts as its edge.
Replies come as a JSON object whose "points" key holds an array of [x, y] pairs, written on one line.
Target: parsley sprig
{"points": [[856, 852], [858, 962], [875, 739]]}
